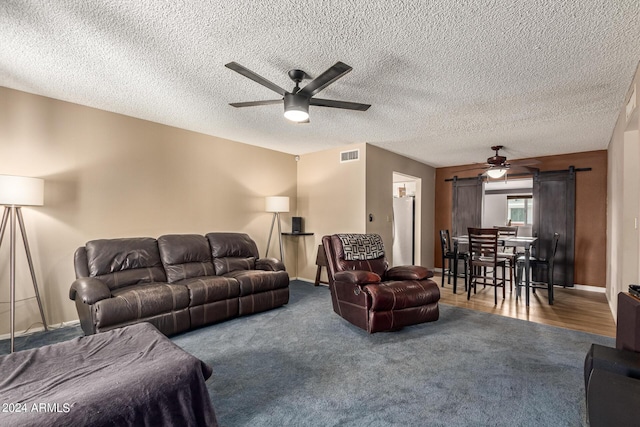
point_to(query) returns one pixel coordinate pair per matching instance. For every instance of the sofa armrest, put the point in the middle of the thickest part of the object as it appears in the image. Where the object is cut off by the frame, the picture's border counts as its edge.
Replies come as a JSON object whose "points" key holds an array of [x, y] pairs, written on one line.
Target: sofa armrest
{"points": [[89, 289], [357, 277], [408, 272], [269, 264]]}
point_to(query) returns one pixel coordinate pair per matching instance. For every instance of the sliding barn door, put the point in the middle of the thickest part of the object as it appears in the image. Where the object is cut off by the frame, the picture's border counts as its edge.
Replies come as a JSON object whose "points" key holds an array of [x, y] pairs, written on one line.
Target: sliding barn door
{"points": [[554, 211], [467, 205]]}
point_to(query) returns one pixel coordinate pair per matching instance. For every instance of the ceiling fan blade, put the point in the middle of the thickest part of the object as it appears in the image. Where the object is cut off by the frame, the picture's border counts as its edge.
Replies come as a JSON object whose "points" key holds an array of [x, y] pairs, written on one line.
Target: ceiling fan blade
{"points": [[255, 77], [254, 103], [338, 70], [524, 162], [525, 168], [339, 104], [478, 167]]}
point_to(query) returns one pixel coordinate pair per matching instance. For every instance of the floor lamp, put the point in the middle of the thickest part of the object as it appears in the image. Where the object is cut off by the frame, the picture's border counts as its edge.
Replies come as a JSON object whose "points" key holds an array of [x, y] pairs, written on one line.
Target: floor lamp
{"points": [[15, 192], [276, 204]]}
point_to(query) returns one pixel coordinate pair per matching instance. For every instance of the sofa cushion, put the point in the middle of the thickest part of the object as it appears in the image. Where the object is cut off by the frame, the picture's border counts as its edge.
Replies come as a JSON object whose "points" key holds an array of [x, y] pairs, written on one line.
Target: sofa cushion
{"points": [[185, 256], [229, 264], [232, 251], [255, 281], [140, 301], [123, 262], [203, 290], [232, 245]]}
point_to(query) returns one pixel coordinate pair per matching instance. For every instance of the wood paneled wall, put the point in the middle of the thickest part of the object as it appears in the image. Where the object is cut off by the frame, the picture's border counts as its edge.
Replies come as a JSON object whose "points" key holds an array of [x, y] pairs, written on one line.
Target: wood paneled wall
{"points": [[591, 210]]}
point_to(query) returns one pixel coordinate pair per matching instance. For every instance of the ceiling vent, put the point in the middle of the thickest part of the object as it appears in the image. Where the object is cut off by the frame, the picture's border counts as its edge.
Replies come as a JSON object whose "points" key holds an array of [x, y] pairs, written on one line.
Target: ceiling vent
{"points": [[349, 156]]}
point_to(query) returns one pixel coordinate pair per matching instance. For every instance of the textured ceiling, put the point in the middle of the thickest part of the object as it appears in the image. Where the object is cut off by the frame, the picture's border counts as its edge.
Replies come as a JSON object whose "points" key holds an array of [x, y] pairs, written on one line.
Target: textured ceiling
{"points": [[446, 79]]}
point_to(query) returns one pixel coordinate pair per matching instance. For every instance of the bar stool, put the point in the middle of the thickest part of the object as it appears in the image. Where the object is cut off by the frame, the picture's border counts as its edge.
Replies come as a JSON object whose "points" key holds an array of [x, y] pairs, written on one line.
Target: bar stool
{"points": [[449, 254]]}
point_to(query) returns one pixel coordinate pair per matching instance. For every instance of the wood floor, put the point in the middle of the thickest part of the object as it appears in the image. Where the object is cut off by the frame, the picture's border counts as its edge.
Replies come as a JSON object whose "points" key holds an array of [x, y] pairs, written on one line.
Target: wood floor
{"points": [[572, 309]]}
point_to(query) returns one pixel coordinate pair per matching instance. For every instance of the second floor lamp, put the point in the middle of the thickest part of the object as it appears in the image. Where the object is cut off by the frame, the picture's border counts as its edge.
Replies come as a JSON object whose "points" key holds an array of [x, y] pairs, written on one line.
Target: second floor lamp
{"points": [[276, 204]]}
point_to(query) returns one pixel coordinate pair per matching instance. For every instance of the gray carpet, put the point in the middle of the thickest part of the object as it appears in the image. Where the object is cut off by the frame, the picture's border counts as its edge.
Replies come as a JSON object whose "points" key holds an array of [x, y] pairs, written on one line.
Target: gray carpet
{"points": [[302, 365]]}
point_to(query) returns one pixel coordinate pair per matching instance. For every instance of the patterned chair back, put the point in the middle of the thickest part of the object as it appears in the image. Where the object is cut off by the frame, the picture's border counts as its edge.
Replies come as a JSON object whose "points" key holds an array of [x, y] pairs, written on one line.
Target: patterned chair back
{"points": [[355, 252]]}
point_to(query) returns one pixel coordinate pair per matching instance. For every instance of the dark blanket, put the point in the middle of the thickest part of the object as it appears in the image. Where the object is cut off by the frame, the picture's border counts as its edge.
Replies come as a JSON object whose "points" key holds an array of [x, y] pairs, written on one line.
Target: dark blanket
{"points": [[127, 376]]}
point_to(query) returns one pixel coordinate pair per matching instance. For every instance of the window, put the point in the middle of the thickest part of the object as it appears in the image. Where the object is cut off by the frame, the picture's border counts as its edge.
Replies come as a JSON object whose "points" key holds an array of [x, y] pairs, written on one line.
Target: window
{"points": [[520, 210]]}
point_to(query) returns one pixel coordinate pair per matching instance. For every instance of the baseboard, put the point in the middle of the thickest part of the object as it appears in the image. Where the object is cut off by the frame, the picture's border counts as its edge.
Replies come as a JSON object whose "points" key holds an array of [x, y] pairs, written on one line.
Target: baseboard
{"points": [[302, 279], [40, 329], [590, 288]]}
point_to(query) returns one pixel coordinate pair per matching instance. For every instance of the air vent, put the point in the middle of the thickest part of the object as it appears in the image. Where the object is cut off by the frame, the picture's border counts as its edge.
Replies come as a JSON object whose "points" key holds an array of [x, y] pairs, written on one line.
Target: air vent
{"points": [[349, 156]]}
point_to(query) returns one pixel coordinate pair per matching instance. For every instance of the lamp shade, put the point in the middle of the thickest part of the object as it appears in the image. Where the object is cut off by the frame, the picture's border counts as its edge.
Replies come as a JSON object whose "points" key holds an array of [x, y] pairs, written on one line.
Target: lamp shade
{"points": [[21, 191], [496, 172], [277, 204]]}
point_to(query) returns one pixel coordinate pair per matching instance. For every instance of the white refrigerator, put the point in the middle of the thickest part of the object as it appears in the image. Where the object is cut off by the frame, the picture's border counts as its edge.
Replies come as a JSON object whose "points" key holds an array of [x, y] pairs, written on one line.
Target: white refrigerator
{"points": [[403, 230]]}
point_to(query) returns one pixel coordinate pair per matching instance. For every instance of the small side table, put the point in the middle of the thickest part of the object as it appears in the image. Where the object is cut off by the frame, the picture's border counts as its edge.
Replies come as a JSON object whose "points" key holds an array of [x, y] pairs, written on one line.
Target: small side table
{"points": [[321, 261]]}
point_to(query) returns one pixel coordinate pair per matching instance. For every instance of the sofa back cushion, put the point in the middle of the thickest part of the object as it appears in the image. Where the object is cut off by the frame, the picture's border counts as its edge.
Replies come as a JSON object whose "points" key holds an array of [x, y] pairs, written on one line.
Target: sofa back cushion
{"points": [[124, 262], [185, 256], [232, 251]]}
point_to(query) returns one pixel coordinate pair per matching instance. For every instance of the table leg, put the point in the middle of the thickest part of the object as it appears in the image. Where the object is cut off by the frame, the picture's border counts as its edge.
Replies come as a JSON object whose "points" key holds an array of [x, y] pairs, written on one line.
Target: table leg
{"points": [[526, 272], [455, 265]]}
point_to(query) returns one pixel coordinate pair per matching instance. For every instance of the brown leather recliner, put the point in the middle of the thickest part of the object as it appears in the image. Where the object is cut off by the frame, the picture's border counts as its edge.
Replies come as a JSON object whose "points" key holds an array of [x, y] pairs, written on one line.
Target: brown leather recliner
{"points": [[369, 294]]}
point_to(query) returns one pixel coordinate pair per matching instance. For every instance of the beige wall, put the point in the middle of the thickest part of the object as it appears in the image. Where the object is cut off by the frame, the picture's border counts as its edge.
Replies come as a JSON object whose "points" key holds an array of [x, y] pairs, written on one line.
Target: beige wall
{"points": [[331, 199], [108, 175], [381, 164], [623, 209]]}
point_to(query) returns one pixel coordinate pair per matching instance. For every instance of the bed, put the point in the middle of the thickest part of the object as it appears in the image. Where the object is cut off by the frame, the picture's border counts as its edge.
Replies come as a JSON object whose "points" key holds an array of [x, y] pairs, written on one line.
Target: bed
{"points": [[127, 376]]}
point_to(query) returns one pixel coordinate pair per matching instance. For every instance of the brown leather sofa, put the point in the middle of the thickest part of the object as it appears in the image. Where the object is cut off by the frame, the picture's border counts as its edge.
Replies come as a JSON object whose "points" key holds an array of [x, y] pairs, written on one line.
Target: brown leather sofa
{"points": [[176, 282], [369, 294]]}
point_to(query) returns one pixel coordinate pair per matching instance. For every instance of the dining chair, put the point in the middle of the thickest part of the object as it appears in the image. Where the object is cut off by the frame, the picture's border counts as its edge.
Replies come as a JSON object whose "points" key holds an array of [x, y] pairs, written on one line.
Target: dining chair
{"points": [[508, 253], [449, 254], [535, 263], [483, 250]]}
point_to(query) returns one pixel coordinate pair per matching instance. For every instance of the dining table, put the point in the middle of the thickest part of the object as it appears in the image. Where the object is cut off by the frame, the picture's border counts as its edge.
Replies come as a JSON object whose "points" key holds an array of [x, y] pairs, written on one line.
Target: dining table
{"points": [[506, 241]]}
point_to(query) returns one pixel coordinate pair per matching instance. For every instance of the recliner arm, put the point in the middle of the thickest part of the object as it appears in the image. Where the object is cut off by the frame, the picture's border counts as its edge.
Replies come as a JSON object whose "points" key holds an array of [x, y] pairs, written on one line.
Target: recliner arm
{"points": [[89, 289], [358, 277], [408, 272], [269, 264]]}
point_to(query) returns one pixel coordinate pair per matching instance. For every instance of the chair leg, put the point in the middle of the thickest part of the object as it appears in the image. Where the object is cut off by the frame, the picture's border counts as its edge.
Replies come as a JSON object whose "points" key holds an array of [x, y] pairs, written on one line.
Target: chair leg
{"points": [[504, 285], [510, 276], [466, 273], [469, 288], [444, 269], [495, 286], [450, 271], [550, 285]]}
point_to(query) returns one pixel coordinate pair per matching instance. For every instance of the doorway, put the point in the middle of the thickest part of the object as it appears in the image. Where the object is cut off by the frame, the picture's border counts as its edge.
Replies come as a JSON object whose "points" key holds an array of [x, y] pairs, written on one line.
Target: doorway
{"points": [[406, 219], [509, 203]]}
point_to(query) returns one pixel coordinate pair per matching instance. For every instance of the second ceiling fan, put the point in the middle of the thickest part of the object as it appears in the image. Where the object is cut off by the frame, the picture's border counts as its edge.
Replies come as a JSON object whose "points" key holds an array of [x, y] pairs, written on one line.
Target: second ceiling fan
{"points": [[497, 165], [297, 102]]}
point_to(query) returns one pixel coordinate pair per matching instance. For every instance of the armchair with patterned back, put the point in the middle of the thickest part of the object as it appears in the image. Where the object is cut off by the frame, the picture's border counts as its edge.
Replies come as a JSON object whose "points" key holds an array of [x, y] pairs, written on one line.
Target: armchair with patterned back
{"points": [[369, 294]]}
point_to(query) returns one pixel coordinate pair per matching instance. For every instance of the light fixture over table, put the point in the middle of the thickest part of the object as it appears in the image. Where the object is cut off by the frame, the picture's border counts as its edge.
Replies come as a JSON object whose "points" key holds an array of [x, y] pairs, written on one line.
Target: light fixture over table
{"points": [[496, 172]]}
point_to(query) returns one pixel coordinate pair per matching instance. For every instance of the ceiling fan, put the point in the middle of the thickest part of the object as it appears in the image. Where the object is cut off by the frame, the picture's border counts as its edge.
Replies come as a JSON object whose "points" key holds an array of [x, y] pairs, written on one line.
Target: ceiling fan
{"points": [[296, 102], [497, 165]]}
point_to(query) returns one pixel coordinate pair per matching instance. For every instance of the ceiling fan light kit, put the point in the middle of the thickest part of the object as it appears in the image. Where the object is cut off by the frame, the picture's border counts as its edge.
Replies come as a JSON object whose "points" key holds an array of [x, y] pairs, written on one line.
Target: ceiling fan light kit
{"points": [[296, 102], [496, 173], [498, 167], [296, 107]]}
